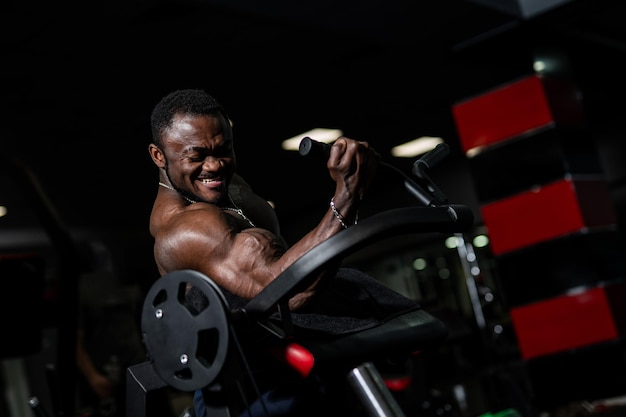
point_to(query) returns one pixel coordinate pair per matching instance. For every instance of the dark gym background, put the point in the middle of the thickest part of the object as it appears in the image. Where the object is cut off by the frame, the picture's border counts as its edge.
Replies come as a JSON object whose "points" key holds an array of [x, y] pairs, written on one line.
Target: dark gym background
{"points": [[80, 79]]}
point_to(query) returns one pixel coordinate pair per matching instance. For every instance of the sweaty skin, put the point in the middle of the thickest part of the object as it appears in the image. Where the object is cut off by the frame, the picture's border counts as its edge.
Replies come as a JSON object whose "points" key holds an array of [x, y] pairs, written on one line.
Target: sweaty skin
{"points": [[197, 158]]}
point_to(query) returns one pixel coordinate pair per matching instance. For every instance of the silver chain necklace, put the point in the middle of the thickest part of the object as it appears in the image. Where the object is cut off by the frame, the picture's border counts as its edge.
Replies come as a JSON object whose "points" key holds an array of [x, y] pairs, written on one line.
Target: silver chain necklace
{"points": [[233, 209], [240, 212], [171, 188]]}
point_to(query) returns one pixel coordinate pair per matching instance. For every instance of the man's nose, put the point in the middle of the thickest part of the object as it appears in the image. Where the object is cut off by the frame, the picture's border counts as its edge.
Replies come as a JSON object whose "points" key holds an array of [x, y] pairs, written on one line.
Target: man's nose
{"points": [[211, 163]]}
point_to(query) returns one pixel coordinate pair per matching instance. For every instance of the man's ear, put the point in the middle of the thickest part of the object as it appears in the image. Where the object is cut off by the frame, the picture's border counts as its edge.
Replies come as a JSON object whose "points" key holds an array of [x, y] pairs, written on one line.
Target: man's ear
{"points": [[157, 155]]}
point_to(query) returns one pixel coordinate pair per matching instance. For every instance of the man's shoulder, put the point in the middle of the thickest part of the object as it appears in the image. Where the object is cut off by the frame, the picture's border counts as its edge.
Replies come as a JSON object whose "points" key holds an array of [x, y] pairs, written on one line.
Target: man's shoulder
{"points": [[173, 221], [183, 237]]}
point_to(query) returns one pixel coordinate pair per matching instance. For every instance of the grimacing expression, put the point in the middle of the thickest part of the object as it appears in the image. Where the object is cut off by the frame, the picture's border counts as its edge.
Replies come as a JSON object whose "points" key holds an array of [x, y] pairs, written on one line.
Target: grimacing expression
{"points": [[199, 156]]}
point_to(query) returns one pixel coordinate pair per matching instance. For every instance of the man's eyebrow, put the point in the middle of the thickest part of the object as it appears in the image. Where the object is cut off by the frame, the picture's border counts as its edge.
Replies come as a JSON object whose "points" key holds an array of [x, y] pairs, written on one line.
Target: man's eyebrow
{"points": [[203, 149]]}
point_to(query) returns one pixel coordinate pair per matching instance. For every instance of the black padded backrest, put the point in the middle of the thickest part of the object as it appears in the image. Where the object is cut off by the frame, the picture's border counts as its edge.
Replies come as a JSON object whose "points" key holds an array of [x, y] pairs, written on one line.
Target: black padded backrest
{"points": [[407, 333]]}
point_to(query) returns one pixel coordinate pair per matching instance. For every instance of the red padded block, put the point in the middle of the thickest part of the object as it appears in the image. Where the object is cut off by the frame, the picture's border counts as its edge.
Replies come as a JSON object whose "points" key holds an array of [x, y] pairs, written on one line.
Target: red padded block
{"points": [[562, 323], [502, 113], [553, 210]]}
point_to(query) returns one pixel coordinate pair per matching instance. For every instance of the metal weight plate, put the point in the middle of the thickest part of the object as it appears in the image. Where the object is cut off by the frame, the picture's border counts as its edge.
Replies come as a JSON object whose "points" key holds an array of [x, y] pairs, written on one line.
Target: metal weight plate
{"points": [[187, 347]]}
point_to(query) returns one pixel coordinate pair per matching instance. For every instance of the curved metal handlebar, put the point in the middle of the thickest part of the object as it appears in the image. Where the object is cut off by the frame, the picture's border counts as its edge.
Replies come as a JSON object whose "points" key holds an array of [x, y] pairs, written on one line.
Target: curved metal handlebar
{"points": [[395, 222]]}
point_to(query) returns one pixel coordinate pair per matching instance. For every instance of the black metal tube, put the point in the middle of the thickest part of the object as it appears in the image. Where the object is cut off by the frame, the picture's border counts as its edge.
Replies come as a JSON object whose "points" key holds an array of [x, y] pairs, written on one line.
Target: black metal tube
{"points": [[370, 388]]}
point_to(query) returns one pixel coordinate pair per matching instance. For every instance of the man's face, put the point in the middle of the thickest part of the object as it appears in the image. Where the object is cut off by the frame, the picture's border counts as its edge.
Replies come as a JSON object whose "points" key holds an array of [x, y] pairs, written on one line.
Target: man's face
{"points": [[200, 159]]}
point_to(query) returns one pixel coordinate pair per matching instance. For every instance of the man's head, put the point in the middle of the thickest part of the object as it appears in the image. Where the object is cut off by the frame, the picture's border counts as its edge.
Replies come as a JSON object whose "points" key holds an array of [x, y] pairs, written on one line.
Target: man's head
{"points": [[193, 102], [192, 142]]}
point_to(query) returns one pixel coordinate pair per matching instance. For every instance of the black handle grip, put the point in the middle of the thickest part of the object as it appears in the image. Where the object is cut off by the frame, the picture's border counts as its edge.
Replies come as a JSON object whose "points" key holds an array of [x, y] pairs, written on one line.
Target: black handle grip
{"points": [[313, 148], [430, 159]]}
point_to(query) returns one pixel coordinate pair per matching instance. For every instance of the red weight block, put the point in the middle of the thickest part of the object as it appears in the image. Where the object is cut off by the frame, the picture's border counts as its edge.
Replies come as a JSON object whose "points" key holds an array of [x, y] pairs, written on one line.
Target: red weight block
{"points": [[564, 322], [519, 108], [547, 212]]}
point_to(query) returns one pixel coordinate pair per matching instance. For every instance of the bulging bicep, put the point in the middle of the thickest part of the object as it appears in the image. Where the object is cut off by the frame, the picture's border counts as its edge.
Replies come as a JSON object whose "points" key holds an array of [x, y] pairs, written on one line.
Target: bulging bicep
{"points": [[240, 261], [249, 263]]}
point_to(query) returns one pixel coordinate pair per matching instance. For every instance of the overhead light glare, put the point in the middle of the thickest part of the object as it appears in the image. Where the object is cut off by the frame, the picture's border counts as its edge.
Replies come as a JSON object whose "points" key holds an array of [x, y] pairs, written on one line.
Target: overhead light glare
{"points": [[452, 242], [416, 147], [470, 153], [318, 134], [3, 211], [419, 264], [480, 241], [539, 66]]}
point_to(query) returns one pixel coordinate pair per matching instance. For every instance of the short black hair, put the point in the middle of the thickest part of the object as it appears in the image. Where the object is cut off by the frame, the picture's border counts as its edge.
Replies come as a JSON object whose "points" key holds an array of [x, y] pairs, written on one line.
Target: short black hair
{"points": [[188, 101]]}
